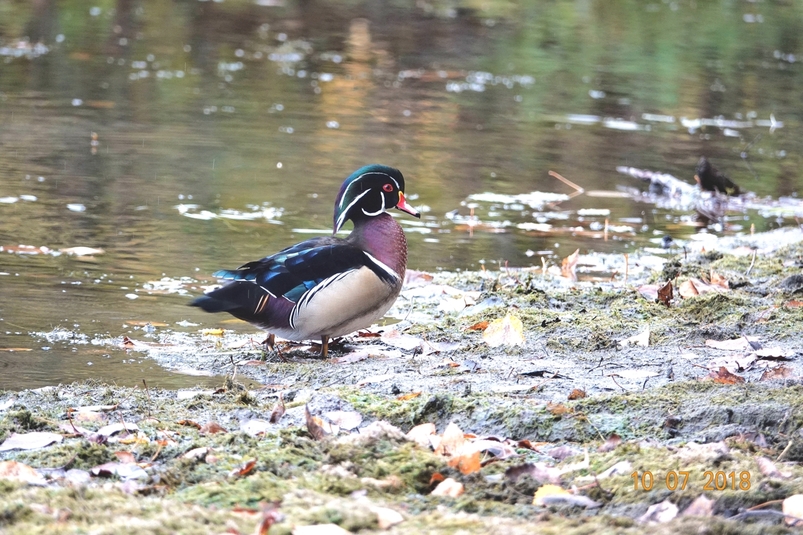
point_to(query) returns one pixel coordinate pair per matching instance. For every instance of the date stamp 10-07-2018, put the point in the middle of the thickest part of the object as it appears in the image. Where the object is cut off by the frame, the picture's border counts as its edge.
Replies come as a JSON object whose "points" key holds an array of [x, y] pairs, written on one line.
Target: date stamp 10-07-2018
{"points": [[681, 479]]}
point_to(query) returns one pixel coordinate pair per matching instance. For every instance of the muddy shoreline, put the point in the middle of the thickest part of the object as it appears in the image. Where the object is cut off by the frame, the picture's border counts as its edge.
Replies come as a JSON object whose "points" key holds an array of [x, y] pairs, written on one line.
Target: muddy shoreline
{"points": [[664, 394]]}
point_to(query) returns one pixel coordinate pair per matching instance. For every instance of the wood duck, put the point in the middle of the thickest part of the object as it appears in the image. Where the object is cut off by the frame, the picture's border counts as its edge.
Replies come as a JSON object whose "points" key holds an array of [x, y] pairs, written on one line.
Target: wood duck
{"points": [[712, 179], [327, 286]]}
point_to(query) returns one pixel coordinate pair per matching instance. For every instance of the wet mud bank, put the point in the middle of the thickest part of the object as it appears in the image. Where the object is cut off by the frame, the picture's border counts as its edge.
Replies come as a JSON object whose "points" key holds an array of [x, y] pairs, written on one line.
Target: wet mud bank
{"points": [[554, 422]]}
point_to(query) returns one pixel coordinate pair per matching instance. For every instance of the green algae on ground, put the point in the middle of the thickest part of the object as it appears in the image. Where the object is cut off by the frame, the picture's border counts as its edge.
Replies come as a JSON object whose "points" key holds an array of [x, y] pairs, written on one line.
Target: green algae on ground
{"points": [[573, 339]]}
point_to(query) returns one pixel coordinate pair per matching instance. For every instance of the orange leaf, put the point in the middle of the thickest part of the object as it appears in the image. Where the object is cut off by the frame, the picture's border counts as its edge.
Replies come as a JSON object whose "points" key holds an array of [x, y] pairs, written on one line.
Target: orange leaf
{"points": [[244, 469], [211, 428], [189, 423], [558, 409], [479, 326], [577, 394], [723, 376], [409, 396], [437, 477], [467, 463]]}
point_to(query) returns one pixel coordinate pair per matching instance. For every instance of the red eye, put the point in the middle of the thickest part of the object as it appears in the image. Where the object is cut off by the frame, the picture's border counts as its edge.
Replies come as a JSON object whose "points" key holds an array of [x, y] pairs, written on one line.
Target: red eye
{"points": [[387, 187]]}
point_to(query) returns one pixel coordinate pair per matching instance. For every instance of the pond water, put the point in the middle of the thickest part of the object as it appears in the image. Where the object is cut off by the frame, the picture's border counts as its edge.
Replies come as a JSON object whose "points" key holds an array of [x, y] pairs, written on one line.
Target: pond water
{"points": [[182, 137]]}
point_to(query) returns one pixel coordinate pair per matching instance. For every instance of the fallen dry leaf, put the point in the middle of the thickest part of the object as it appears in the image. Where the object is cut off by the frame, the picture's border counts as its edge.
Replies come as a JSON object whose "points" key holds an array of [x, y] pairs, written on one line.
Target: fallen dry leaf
{"points": [[402, 341], [774, 353], [619, 469], [548, 491], [665, 294], [735, 344], [17, 471], [733, 363], [793, 506], [189, 423], [507, 331], [723, 376], [558, 409], [409, 396], [611, 443], [211, 428], [547, 495], [448, 487], [780, 372], [659, 513], [718, 280], [649, 291], [125, 456], [467, 460], [30, 441], [701, 506], [794, 303], [314, 425], [538, 471], [569, 264], [479, 326], [451, 440], [278, 410], [693, 287], [386, 517], [688, 289], [255, 427], [420, 434], [244, 469], [354, 356], [347, 420], [768, 468], [577, 394], [641, 339]]}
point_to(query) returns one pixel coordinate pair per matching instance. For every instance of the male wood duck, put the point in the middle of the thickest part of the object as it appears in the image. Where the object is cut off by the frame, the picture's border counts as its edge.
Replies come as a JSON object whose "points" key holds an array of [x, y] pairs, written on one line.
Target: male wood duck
{"points": [[328, 286], [712, 179]]}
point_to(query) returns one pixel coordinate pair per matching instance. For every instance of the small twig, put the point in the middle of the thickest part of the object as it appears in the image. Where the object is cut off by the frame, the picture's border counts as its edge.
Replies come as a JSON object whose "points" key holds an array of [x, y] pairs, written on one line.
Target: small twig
{"points": [[752, 263], [148, 394], [627, 268], [613, 378], [566, 181], [769, 512], [788, 446], [763, 505], [233, 368]]}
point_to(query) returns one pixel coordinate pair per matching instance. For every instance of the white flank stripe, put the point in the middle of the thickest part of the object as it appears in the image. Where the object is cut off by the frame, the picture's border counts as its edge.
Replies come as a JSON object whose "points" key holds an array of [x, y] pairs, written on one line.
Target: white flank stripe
{"points": [[309, 294]]}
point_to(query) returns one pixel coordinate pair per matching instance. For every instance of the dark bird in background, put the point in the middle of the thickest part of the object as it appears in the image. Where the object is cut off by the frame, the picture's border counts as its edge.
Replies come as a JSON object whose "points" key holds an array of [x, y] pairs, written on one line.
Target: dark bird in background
{"points": [[327, 287], [712, 179]]}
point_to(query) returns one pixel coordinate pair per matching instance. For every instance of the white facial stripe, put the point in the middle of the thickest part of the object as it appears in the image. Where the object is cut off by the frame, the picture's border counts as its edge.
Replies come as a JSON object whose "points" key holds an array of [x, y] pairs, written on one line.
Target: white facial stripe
{"points": [[384, 267], [343, 198], [371, 214], [343, 213]]}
